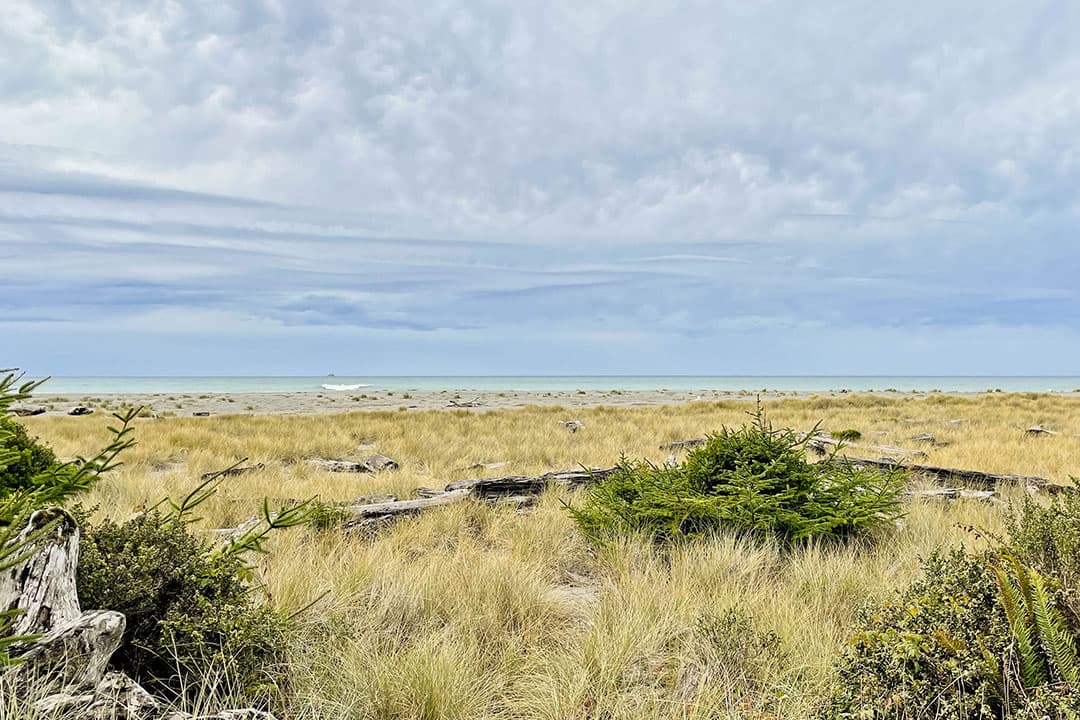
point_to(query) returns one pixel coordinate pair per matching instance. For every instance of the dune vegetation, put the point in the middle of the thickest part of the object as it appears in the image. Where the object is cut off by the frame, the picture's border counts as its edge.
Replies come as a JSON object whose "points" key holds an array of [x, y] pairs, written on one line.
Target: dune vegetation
{"points": [[481, 610]]}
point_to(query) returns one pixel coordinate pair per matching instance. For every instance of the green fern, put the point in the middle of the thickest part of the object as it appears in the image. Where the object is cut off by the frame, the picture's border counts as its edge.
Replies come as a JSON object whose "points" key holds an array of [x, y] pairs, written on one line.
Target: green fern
{"points": [[1017, 605], [1044, 643], [1058, 640]]}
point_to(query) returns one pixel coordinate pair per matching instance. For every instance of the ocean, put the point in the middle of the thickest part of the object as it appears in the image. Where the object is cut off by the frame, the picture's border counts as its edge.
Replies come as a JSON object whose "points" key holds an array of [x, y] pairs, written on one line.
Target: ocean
{"points": [[688, 383]]}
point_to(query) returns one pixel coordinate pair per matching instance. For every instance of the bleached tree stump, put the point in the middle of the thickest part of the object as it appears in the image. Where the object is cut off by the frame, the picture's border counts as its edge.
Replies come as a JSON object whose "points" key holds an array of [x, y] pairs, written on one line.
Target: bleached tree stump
{"points": [[43, 584]]}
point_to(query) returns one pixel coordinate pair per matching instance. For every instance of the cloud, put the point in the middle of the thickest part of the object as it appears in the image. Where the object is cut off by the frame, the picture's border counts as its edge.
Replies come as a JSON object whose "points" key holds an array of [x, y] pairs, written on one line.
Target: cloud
{"points": [[442, 179]]}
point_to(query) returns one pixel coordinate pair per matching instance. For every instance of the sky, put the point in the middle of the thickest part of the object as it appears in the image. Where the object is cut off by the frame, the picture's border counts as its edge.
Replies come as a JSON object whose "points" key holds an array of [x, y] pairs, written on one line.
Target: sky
{"points": [[441, 187]]}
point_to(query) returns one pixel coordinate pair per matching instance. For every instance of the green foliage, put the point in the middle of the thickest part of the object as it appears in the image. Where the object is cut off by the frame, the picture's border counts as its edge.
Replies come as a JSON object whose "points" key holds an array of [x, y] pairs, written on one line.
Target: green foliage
{"points": [[190, 610], [26, 457], [848, 435], [754, 479], [1047, 538], [975, 638], [925, 653], [1044, 636]]}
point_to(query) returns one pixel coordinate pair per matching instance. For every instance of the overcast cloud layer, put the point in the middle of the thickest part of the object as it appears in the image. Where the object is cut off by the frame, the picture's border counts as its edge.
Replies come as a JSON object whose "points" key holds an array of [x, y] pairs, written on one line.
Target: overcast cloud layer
{"points": [[473, 187]]}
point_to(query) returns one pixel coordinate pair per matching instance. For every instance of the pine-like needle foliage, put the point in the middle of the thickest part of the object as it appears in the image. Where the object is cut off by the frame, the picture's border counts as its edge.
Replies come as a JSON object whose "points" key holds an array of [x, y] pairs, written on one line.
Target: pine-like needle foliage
{"points": [[752, 479]]}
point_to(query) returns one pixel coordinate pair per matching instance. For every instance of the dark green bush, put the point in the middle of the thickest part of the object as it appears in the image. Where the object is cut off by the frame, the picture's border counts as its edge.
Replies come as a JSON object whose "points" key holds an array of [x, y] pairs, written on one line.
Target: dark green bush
{"points": [[849, 435], [28, 460], [753, 479], [190, 612]]}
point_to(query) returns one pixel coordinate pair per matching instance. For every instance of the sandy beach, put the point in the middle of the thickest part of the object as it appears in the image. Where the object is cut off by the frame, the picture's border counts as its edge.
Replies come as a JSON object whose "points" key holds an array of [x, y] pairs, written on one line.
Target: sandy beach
{"points": [[310, 403]]}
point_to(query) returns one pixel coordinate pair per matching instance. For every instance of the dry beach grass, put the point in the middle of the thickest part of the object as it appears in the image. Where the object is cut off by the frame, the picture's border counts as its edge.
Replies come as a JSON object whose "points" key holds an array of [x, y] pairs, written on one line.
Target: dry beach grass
{"points": [[484, 611]]}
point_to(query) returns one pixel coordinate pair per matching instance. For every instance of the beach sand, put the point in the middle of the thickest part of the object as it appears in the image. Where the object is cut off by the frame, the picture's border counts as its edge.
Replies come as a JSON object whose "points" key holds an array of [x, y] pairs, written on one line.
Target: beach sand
{"points": [[306, 403]]}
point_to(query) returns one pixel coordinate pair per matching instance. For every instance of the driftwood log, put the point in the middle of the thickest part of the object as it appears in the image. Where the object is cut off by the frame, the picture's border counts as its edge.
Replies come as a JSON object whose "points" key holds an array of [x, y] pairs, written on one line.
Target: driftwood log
{"points": [[822, 443], [475, 402], [512, 487], [233, 471], [375, 463], [955, 494], [28, 410], [62, 668], [487, 466], [81, 410], [971, 478], [683, 444]]}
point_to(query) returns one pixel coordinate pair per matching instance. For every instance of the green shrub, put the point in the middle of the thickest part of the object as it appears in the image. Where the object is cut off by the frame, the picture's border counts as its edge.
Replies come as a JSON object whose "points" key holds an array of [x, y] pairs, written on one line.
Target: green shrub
{"points": [[922, 655], [976, 637], [190, 611], [28, 458], [1047, 538], [753, 479], [849, 435]]}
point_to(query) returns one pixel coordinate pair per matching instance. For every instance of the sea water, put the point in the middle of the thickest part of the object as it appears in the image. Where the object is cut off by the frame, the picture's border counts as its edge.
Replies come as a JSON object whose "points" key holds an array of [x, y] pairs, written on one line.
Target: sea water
{"points": [[537, 383]]}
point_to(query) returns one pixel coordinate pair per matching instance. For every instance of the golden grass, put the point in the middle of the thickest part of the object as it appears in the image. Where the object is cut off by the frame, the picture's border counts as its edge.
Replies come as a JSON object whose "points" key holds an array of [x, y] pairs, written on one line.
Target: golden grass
{"points": [[479, 611]]}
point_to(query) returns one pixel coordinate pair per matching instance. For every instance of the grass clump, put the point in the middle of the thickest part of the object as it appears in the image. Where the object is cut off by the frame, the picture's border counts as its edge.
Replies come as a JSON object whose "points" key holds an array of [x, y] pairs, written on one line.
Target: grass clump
{"points": [[752, 479], [848, 435]]}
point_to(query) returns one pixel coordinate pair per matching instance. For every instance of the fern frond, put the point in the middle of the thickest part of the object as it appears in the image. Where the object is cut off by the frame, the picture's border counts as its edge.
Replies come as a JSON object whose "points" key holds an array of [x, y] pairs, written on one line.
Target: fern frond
{"points": [[1058, 640], [1033, 670]]}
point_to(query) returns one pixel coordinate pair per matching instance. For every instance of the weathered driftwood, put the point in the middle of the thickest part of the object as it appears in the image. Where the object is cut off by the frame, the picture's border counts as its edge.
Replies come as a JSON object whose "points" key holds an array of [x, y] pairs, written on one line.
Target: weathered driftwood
{"points": [[375, 463], [683, 444], [233, 471], [378, 463], [525, 485], [74, 647], [487, 466], [62, 670], [821, 444], [116, 695], [512, 488], [375, 514], [953, 494], [475, 402], [28, 410], [924, 437], [81, 410], [338, 465], [43, 585], [572, 425], [74, 654], [1036, 430], [201, 413], [974, 478]]}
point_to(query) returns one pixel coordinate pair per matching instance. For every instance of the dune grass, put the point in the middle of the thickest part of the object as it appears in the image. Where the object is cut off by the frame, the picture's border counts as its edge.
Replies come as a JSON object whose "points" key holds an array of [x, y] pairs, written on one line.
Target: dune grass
{"points": [[482, 611]]}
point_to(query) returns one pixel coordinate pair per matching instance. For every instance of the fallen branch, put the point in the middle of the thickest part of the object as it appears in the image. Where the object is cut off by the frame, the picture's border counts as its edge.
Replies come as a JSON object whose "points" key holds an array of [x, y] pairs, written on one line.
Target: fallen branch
{"points": [[475, 402]]}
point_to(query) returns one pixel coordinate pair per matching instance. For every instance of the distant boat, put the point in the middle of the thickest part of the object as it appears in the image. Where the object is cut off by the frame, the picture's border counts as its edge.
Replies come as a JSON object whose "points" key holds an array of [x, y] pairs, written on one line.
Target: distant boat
{"points": [[329, 374], [345, 387]]}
